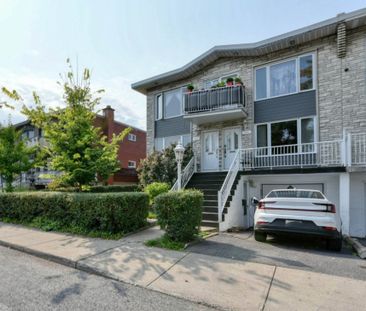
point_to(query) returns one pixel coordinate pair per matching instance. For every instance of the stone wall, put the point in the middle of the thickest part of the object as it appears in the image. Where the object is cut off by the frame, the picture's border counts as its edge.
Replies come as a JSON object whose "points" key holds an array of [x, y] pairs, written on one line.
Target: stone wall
{"points": [[341, 88]]}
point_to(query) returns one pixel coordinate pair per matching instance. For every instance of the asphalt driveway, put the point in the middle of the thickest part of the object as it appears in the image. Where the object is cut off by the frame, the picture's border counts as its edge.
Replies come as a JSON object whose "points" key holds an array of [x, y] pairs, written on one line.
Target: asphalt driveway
{"points": [[298, 253]]}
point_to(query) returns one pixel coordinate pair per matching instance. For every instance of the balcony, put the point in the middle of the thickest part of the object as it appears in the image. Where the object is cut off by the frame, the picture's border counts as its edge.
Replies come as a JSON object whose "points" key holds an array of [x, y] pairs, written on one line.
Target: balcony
{"points": [[347, 152], [214, 105]]}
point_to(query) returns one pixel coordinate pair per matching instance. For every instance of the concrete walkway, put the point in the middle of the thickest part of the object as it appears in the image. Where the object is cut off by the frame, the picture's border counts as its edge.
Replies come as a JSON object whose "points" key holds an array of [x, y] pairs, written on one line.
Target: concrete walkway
{"points": [[219, 282]]}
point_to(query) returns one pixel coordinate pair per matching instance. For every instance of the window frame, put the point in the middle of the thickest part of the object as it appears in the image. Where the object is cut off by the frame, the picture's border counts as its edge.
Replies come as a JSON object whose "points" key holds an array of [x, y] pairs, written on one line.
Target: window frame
{"points": [[132, 135], [164, 138], [133, 164], [159, 113], [299, 134], [181, 106], [267, 66]]}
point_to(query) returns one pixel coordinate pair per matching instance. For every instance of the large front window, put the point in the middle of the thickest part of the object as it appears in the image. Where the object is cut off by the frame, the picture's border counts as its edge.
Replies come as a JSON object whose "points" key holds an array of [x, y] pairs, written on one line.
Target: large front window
{"points": [[284, 137], [287, 77], [162, 143]]}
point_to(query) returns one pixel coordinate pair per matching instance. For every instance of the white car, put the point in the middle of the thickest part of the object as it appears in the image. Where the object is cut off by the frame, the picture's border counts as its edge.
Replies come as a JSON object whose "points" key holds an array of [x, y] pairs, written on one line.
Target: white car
{"points": [[298, 211]]}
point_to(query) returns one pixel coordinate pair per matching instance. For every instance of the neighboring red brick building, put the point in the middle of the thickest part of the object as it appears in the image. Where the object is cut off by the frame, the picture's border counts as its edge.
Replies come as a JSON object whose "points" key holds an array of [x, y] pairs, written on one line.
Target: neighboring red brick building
{"points": [[132, 148]]}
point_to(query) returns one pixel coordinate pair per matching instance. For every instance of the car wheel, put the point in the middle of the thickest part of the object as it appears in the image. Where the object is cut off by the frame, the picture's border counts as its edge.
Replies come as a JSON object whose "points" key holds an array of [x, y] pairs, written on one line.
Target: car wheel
{"points": [[260, 236], [334, 244]]}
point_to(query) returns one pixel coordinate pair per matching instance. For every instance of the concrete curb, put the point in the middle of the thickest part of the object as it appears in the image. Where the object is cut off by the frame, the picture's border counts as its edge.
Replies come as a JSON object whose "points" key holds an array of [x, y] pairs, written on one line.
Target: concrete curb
{"points": [[359, 248], [56, 259]]}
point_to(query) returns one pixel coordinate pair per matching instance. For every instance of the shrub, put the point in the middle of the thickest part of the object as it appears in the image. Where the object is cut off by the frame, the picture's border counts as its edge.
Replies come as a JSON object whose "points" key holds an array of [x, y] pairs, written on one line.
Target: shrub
{"points": [[107, 212], [98, 189], [156, 188], [114, 188], [160, 166], [180, 213]]}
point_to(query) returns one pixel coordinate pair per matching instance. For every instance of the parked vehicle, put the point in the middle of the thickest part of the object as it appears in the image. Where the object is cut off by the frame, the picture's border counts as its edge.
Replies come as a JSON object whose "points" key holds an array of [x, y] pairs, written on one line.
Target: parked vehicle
{"points": [[298, 211]]}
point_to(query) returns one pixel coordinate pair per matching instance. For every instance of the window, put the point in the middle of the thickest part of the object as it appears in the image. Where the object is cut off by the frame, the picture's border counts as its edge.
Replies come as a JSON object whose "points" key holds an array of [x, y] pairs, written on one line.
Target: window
{"points": [[131, 164], [159, 107], [285, 77], [214, 82], [131, 137], [306, 72], [287, 133], [284, 133], [159, 144], [165, 142], [262, 140], [261, 83], [173, 103]]}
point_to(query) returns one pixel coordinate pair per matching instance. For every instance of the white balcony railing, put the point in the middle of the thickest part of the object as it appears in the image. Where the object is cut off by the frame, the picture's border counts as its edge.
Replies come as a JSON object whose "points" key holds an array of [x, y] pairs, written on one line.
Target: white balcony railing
{"points": [[215, 99], [357, 147], [327, 153]]}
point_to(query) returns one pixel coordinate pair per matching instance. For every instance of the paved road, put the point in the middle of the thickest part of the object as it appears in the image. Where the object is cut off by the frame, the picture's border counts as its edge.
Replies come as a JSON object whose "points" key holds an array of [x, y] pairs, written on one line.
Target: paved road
{"points": [[30, 283], [295, 253]]}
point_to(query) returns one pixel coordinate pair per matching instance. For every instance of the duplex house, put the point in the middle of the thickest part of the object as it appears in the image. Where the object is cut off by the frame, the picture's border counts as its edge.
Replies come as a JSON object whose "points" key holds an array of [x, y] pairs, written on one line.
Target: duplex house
{"points": [[132, 149], [289, 111]]}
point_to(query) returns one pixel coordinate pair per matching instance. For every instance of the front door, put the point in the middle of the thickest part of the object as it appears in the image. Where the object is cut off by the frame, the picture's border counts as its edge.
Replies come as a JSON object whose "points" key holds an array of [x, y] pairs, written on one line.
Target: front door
{"points": [[210, 151], [231, 145]]}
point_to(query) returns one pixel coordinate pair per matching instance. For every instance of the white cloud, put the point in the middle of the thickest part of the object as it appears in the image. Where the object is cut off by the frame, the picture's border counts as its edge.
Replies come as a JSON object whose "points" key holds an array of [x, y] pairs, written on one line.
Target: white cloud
{"points": [[129, 105]]}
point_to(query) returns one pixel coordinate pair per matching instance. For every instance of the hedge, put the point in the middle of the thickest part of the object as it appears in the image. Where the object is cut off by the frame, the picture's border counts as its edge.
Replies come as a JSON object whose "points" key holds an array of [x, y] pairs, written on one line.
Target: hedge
{"points": [[180, 213], [156, 188], [106, 212], [101, 189]]}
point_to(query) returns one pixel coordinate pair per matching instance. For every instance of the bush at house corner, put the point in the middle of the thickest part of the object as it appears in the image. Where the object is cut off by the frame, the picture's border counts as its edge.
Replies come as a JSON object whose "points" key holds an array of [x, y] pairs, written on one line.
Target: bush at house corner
{"points": [[180, 213], [103, 212]]}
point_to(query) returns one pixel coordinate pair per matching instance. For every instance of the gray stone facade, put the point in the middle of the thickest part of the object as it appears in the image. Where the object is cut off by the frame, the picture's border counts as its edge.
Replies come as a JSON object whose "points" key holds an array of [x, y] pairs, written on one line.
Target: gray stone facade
{"points": [[340, 88]]}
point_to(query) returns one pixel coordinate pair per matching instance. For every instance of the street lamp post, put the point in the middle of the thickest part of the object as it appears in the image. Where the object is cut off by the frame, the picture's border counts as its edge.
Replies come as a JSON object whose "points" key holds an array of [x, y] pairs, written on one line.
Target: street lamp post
{"points": [[179, 153]]}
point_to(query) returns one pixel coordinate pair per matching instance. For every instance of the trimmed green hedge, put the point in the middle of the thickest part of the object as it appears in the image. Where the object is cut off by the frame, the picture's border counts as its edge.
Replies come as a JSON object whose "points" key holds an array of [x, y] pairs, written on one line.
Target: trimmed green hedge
{"points": [[101, 189], [105, 212], [180, 213], [114, 188]]}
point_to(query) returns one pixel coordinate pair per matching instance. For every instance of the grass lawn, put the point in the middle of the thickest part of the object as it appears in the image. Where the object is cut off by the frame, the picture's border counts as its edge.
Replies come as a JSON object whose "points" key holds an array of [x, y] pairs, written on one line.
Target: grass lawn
{"points": [[165, 242]]}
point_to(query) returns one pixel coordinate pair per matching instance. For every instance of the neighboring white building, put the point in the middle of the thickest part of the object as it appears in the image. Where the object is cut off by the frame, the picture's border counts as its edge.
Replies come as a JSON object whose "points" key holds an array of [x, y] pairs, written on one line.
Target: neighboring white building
{"points": [[298, 119]]}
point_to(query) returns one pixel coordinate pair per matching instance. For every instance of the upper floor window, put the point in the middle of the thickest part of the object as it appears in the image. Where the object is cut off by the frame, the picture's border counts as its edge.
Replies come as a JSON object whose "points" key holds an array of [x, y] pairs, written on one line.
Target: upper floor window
{"points": [[132, 137], [159, 106], [214, 82], [287, 77], [173, 103], [169, 104]]}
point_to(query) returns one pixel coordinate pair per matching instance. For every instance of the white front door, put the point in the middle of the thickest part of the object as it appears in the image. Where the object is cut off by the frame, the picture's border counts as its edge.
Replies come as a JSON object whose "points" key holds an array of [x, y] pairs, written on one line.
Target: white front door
{"points": [[210, 151], [231, 145]]}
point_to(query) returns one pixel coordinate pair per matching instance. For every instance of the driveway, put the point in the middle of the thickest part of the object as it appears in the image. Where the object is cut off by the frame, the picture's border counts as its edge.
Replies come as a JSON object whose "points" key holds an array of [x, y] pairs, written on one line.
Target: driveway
{"points": [[287, 252]]}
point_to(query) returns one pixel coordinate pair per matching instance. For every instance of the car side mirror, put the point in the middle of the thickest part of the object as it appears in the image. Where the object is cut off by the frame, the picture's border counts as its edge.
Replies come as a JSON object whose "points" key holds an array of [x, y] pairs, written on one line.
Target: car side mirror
{"points": [[254, 201]]}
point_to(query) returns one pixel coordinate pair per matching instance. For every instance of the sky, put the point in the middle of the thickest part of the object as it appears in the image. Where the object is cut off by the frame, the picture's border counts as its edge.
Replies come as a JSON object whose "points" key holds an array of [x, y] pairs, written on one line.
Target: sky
{"points": [[124, 41]]}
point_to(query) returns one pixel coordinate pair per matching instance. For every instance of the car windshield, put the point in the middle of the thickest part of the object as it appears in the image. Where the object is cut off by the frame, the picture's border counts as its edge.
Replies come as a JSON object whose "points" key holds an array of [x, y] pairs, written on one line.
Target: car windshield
{"points": [[304, 194]]}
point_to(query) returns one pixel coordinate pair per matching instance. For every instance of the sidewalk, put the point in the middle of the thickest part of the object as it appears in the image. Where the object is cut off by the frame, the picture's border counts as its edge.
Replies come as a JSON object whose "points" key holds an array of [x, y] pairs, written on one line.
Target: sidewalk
{"points": [[218, 282]]}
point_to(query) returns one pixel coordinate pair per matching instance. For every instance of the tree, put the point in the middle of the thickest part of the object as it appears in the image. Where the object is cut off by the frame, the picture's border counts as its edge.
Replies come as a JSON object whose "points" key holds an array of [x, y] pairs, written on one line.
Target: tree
{"points": [[15, 155], [160, 166], [74, 146]]}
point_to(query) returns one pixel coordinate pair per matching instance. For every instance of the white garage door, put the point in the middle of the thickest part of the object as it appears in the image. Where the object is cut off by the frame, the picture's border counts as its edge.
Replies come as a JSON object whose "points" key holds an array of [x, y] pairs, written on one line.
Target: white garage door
{"points": [[266, 188]]}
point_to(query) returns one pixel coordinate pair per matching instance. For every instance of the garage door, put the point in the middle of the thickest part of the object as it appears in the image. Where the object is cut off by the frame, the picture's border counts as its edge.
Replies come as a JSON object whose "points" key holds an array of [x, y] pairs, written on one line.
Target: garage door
{"points": [[266, 188]]}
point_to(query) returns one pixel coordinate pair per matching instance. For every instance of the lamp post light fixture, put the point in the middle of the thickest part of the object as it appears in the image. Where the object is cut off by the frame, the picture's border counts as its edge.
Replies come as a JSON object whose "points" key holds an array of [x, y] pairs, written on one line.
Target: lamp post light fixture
{"points": [[179, 153]]}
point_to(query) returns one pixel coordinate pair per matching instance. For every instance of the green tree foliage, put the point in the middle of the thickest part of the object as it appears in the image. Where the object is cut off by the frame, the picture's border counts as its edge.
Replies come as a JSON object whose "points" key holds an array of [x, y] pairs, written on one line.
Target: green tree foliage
{"points": [[160, 166], [15, 155], [74, 146]]}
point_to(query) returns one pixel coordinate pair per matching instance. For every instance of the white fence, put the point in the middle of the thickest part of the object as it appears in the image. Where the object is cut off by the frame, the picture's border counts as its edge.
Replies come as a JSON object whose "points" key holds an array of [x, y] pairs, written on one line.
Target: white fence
{"points": [[358, 149]]}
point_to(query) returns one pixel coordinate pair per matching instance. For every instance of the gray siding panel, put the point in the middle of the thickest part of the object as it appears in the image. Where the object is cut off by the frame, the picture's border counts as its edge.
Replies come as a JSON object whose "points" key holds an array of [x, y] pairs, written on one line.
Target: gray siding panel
{"points": [[172, 127], [285, 107]]}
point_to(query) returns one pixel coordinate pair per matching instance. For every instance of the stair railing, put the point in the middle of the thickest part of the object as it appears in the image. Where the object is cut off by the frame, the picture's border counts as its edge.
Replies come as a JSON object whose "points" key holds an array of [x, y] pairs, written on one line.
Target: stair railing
{"points": [[225, 190], [187, 173]]}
